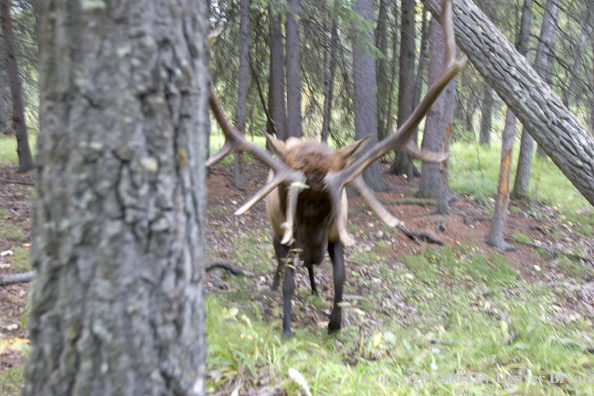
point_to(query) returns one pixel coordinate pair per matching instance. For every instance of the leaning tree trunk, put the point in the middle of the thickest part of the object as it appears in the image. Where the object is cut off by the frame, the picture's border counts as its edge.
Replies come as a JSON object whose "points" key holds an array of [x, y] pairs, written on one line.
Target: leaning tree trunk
{"points": [[16, 89], [434, 125], [239, 181], [365, 99], [118, 237], [559, 133], [293, 70], [543, 66], [406, 83]]}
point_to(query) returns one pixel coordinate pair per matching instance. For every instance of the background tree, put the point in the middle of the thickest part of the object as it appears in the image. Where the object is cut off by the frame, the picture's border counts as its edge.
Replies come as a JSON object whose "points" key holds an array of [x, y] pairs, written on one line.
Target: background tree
{"points": [[293, 70], [118, 236], [542, 65], [365, 99], [487, 116], [16, 89], [329, 70], [239, 181], [276, 84], [402, 164]]}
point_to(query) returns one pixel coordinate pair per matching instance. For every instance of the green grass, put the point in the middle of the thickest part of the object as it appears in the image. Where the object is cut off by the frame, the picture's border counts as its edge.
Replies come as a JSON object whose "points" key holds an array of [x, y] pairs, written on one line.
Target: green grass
{"points": [[8, 147], [11, 381]]}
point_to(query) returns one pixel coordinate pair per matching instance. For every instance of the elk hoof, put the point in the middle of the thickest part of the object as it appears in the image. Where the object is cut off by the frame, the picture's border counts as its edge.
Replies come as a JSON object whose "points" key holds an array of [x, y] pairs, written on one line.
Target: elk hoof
{"points": [[333, 327], [287, 333]]}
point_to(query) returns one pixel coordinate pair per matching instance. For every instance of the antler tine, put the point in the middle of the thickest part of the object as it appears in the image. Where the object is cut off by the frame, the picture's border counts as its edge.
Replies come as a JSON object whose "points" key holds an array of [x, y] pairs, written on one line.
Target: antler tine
{"points": [[335, 181], [235, 141]]}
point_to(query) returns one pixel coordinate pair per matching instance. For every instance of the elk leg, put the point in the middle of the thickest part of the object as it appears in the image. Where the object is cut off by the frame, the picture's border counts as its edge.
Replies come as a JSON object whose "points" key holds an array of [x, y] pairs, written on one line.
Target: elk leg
{"points": [[288, 287], [312, 279], [336, 250], [282, 252]]}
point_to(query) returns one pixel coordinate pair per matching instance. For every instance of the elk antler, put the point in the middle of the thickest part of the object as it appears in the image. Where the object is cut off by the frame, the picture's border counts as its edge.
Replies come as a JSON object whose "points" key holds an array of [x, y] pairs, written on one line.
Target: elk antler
{"points": [[235, 141], [335, 181]]}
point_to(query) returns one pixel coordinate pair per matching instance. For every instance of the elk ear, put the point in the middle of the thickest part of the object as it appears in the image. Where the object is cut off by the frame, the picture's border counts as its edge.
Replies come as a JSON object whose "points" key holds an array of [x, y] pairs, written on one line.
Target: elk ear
{"points": [[277, 146], [347, 154]]}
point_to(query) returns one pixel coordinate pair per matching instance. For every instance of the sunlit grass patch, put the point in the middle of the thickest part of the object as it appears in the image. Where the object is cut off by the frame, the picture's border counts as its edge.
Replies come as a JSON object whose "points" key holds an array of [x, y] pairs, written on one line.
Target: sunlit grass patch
{"points": [[8, 147]]}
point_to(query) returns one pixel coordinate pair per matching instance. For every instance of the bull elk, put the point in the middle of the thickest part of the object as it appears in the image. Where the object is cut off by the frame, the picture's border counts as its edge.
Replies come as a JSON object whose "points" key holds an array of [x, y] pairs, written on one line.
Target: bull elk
{"points": [[305, 198]]}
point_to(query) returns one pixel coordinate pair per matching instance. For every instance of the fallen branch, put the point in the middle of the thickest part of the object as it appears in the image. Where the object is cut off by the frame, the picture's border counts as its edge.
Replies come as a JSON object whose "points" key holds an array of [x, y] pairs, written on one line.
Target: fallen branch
{"points": [[21, 277], [423, 236], [229, 267], [16, 182], [410, 201]]}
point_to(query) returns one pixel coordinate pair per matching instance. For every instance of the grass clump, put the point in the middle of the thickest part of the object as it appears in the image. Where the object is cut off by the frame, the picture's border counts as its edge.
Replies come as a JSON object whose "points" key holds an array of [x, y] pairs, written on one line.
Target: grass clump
{"points": [[12, 380]]}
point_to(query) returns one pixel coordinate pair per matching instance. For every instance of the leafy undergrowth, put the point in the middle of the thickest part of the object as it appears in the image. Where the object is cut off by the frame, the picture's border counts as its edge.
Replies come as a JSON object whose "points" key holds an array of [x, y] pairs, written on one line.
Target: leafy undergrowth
{"points": [[462, 314]]}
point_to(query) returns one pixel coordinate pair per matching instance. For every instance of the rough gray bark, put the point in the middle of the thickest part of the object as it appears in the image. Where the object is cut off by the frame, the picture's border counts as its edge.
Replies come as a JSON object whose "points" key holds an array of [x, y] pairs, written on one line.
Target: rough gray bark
{"points": [[276, 85], [239, 181], [406, 82], [543, 66], [293, 70], [442, 206], [435, 121], [16, 89], [487, 116], [329, 70], [381, 66], [118, 237], [365, 99], [394, 71], [496, 237], [559, 133]]}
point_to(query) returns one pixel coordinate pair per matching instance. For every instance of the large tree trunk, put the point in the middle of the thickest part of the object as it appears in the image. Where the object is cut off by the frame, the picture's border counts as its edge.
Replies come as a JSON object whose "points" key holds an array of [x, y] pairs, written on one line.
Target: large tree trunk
{"points": [[293, 70], [365, 99], [118, 238], [239, 181], [381, 65], [543, 66], [487, 116], [329, 70], [435, 122], [406, 83], [16, 89], [559, 133], [276, 85]]}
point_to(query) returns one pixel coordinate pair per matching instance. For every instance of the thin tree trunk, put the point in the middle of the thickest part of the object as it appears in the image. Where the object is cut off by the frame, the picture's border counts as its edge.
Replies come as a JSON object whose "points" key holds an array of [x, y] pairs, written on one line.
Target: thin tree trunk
{"points": [[496, 236], [487, 116], [365, 99], [394, 71], [117, 305], [381, 65], [522, 181], [423, 60], [564, 140], [402, 163], [435, 122], [18, 104], [239, 181], [577, 61], [329, 72], [4, 116], [293, 70], [276, 85]]}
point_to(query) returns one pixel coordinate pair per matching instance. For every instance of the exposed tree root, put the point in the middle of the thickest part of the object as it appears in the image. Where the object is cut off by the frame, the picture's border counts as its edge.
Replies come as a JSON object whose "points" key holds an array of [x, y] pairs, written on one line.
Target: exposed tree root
{"points": [[229, 267], [22, 277], [421, 235]]}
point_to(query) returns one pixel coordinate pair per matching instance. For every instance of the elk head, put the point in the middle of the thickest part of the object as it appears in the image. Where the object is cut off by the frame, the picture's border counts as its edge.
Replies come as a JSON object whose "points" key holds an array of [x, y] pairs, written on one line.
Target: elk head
{"points": [[305, 198]]}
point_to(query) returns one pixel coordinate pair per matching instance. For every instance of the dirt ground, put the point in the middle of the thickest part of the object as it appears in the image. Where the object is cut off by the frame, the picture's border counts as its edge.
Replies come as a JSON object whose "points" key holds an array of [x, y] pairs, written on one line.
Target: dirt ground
{"points": [[468, 224]]}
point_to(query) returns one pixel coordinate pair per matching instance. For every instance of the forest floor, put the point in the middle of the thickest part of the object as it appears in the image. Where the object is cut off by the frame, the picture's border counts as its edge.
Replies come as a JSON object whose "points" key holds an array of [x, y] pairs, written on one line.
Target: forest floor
{"points": [[411, 307]]}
